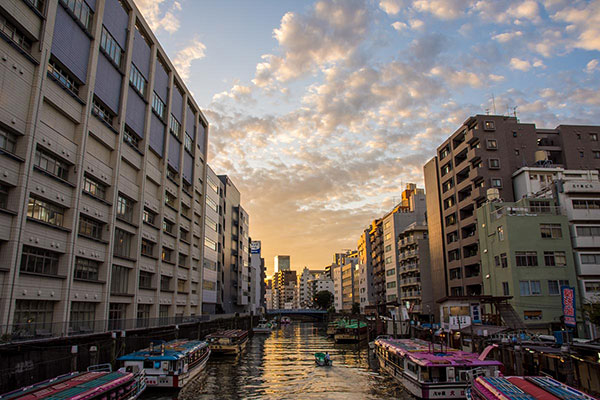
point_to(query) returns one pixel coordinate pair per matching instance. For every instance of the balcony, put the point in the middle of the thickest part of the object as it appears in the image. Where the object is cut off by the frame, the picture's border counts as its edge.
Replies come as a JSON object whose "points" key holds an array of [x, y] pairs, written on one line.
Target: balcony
{"points": [[586, 241], [410, 281], [408, 268], [415, 294]]}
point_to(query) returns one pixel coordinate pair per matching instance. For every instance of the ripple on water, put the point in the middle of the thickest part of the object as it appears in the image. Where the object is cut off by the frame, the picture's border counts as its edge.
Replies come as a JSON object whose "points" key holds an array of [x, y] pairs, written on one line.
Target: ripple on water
{"points": [[281, 366]]}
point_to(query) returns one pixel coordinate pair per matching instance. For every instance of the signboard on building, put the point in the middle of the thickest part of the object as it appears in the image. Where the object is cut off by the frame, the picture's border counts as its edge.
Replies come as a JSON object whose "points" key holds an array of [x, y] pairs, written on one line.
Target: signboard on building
{"points": [[568, 305], [255, 247], [476, 313]]}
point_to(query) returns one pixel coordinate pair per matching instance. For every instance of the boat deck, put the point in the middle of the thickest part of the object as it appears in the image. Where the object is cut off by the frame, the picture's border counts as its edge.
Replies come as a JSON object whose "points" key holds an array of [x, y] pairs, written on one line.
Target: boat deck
{"points": [[526, 388], [173, 351]]}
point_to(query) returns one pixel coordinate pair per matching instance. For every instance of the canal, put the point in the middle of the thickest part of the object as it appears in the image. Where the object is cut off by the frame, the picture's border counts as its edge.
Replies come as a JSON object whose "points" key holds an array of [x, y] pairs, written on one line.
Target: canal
{"points": [[281, 366]]}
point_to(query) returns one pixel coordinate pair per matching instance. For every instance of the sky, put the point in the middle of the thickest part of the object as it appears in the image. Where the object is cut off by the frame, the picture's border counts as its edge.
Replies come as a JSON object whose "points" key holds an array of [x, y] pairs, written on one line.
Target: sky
{"points": [[322, 111]]}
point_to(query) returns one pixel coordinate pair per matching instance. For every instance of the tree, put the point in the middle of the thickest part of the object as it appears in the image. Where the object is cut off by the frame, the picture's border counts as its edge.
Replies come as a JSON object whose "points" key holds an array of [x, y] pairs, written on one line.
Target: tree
{"points": [[323, 299], [355, 308]]}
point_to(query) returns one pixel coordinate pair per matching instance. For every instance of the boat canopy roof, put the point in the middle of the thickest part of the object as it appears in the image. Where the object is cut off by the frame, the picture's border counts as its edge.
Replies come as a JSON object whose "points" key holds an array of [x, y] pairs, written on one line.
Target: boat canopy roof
{"points": [[175, 350], [231, 333], [526, 388], [350, 324], [422, 353]]}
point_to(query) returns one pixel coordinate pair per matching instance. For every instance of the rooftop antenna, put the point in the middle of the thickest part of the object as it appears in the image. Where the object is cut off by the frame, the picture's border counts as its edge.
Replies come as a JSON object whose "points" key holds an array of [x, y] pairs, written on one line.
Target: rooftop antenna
{"points": [[487, 111], [494, 103], [515, 111]]}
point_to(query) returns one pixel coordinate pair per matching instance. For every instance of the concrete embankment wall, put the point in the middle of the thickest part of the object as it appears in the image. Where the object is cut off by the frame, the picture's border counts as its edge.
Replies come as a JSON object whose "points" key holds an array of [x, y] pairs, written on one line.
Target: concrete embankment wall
{"points": [[25, 363]]}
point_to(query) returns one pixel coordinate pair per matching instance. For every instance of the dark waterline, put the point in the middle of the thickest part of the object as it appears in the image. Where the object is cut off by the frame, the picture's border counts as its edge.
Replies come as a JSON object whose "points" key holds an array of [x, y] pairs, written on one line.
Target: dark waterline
{"points": [[281, 366]]}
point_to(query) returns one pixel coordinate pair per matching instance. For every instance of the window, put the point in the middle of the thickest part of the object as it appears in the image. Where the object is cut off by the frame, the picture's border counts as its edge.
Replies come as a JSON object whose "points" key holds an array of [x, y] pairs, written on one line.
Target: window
{"points": [[390, 285], [447, 168], [165, 283], [592, 287], [158, 106], [124, 208], [148, 216], [194, 288], [388, 236], [517, 152], [551, 231], [33, 315], [119, 283], [184, 234], [185, 210], [208, 285], [540, 207], [86, 269], [451, 219], [8, 141], [213, 186], [62, 76], [211, 204], [555, 258], [188, 144], [210, 244], [505, 289], [455, 273], [489, 126], [181, 286], [131, 138], [110, 47], [94, 188], [168, 226], [449, 202], [175, 127], [390, 271], [588, 231], [388, 247], [51, 164], [187, 187], [211, 224], [453, 255], [90, 227], [496, 182], [388, 260], [554, 286], [116, 315], [80, 10], [594, 137], [46, 212], [182, 259], [39, 261], [102, 112], [588, 204], [444, 152], [581, 154], [492, 144], [137, 81], [578, 136], [449, 184], [167, 254], [501, 233], [170, 200], [529, 288], [147, 248], [143, 315], [145, 280], [494, 163], [590, 258], [122, 243], [82, 316], [526, 258], [15, 34], [452, 237]]}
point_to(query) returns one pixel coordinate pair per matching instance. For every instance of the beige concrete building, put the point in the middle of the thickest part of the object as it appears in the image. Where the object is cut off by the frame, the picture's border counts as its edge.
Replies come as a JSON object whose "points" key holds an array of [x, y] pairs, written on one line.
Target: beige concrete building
{"points": [[102, 172]]}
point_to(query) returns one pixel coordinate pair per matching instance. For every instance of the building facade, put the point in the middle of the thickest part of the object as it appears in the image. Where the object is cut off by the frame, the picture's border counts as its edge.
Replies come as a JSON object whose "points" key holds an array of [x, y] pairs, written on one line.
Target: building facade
{"points": [[257, 277], [212, 279], [365, 271], [282, 263], [349, 275], [483, 153], [104, 163], [284, 290]]}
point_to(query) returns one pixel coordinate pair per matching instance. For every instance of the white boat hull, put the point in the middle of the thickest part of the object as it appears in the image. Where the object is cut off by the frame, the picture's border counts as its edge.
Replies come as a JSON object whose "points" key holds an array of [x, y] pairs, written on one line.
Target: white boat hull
{"points": [[176, 381]]}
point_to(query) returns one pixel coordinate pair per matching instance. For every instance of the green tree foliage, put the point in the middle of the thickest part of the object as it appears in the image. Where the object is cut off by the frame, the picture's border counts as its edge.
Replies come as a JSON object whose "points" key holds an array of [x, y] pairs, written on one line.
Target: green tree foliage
{"points": [[323, 299], [593, 312]]}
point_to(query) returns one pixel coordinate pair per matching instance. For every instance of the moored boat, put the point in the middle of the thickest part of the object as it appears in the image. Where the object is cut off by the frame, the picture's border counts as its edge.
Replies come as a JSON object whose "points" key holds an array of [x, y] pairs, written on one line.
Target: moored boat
{"points": [[170, 364], [351, 331], [232, 341], [286, 320], [523, 388], [96, 385], [430, 373], [263, 327], [322, 359]]}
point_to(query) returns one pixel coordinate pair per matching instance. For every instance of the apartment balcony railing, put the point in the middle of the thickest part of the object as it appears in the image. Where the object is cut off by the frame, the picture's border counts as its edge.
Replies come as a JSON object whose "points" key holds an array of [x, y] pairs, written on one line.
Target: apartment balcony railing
{"points": [[411, 294], [409, 267], [525, 211], [410, 281]]}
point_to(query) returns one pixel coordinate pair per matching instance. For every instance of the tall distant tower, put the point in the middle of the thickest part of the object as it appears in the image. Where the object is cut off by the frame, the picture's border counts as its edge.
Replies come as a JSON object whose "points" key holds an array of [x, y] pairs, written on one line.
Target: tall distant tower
{"points": [[282, 263]]}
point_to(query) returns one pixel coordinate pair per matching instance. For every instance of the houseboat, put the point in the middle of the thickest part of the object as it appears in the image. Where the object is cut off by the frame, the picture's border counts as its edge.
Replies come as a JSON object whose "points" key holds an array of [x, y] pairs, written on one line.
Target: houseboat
{"points": [[232, 341], [170, 364], [429, 372], [523, 388], [286, 320], [263, 327], [351, 331], [89, 385]]}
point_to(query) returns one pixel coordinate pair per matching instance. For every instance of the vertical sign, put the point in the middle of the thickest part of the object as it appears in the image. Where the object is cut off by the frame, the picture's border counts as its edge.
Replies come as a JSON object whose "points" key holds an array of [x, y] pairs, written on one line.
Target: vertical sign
{"points": [[476, 313], [568, 304], [255, 247]]}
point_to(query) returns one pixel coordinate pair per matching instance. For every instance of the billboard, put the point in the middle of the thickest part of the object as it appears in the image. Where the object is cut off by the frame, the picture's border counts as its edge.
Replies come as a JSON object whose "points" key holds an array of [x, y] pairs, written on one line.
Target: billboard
{"points": [[255, 247], [568, 305]]}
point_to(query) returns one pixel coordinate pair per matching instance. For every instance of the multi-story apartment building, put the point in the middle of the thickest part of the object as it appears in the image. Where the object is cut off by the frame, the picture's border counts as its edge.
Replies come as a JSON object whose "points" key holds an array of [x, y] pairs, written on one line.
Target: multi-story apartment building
{"points": [[378, 265], [349, 281], [269, 300], [365, 272], [483, 153], [284, 290], [414, 272], [103, 159], [212, 278], [411, 209], [256, 277], [282, 263], [527, 254], [336, 273], [310, 283], [235, 256], [577, 193]]}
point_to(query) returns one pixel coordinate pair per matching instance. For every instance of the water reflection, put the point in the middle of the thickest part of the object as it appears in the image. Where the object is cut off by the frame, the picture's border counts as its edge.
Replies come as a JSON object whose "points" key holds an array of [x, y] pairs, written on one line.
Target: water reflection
{"points": [[281, 366]]}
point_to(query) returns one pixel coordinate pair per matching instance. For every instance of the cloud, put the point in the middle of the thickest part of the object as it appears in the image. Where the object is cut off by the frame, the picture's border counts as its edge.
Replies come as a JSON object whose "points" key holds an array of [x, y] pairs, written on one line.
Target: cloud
{"points": [[399, 26], [518, 64], [592, 66], [416, 24], [507, 36], [392, 7], [443, 9], [184, 57], [160, 14], [584, 24]]}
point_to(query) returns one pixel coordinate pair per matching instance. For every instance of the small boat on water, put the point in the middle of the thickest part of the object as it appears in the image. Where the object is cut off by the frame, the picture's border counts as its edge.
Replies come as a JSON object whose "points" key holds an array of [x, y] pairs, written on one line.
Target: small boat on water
{"points": [[323, 360], [351, 331], [89, 385], [263, 327], [523, 388], [232, 341], [430, 373], [170, 364], [286, 320]]}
